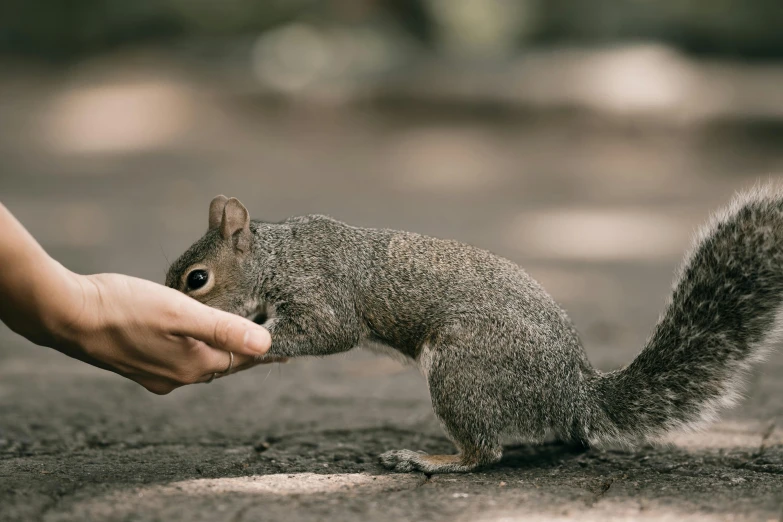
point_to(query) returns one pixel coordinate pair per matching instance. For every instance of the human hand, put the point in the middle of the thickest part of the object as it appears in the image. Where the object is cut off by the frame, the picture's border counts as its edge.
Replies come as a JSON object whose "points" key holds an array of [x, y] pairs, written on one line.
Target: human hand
{"points": [[154, 335]]}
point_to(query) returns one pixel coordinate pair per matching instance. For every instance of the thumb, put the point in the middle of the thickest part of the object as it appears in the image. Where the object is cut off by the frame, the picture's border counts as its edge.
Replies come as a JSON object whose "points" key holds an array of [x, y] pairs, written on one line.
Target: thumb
{"points": [[223, 330]]}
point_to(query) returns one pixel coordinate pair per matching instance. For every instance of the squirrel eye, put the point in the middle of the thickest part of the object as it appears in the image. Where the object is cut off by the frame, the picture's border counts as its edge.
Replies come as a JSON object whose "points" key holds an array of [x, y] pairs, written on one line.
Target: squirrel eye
{"points": [[197, 279]]}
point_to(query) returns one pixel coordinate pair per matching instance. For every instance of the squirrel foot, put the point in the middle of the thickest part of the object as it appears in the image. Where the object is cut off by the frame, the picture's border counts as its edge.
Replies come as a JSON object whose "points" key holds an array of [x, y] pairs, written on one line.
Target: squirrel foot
{"points": [[405, 461]]}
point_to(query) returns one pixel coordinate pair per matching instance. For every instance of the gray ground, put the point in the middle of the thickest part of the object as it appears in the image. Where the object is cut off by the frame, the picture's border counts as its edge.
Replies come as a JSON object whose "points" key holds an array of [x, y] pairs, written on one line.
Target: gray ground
{"points": [[598, 211]]}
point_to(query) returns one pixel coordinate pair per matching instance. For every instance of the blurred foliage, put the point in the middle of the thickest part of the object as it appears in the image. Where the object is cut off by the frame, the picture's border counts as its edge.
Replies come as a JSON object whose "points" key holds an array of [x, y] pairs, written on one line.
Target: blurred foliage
{"points": [[64, 29], [747, 28], [57, 29]]}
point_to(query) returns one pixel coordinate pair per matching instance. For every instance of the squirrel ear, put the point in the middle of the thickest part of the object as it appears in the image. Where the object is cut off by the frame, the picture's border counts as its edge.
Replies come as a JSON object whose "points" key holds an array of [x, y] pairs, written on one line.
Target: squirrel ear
{"points": [[216, 211], [236, 224]]}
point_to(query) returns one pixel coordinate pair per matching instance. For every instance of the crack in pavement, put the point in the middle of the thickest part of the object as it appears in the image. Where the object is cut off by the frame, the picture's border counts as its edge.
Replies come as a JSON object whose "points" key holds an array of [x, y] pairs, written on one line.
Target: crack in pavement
{"points": [[602, 489], [765, 436], [265, 444]]}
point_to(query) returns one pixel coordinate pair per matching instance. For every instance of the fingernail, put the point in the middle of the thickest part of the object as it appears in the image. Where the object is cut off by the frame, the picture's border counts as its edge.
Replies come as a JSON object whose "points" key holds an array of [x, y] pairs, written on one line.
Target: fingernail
{"points": [[257, 341]]}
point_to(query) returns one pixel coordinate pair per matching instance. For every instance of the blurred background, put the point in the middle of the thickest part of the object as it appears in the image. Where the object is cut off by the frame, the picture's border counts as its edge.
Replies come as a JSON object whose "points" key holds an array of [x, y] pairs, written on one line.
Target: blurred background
{"points": [[584, 140], [579, 139]]}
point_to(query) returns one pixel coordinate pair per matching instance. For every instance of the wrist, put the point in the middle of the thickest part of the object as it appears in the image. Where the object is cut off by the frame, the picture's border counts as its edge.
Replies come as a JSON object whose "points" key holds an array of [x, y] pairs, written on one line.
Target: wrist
{"points": [[64, 315], [42, 300]]}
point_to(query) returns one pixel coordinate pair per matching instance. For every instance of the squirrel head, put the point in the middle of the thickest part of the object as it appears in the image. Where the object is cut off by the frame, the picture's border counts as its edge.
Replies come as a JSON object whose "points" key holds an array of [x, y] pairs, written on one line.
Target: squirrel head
{"points": [[214, 269]]}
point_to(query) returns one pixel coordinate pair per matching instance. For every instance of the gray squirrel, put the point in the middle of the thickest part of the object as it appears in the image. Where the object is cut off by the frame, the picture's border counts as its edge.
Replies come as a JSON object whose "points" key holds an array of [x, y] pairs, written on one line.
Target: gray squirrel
{"points": [[498, 354]]}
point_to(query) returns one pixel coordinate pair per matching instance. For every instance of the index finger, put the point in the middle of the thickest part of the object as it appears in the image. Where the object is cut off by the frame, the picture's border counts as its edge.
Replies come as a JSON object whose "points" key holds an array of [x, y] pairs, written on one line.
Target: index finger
{"points": [[221, 330]]}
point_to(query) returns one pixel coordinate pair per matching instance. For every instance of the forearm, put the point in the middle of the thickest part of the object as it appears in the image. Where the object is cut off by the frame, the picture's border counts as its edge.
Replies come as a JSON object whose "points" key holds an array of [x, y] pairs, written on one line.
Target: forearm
{"points": [[39, 295]]}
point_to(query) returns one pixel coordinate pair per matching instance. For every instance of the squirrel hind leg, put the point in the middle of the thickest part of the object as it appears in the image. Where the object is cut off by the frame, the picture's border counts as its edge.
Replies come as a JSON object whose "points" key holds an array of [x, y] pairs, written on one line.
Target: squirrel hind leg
{"points": [[478, 445], [472, 419], [407, 461]]}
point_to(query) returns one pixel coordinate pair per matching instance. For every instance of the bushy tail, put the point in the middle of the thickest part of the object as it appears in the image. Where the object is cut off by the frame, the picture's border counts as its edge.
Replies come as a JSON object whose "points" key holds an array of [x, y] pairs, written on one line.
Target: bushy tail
{"points": [[724, 313]]}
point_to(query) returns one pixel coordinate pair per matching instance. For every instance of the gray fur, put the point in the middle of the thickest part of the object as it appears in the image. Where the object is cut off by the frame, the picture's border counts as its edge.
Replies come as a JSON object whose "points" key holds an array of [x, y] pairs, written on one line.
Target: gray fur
{"points": [[499, 355]]}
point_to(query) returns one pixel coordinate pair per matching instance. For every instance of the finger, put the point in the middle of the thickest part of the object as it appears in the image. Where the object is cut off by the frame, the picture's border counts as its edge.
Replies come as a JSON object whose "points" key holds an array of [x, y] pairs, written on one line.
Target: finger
{"points": [[221, 330], [224, 363], [243, 362], [206, 379], [220, 363]]}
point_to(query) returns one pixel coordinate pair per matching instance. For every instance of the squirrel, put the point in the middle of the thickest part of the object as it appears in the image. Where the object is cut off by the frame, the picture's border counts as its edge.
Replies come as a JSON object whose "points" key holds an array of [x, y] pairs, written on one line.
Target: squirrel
{"points": [[499, 356]]}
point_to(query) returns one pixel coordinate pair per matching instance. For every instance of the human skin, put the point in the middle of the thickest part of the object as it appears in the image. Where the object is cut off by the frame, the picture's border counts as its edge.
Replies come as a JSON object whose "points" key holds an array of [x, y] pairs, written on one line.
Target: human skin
{"points": [[153, 335]]}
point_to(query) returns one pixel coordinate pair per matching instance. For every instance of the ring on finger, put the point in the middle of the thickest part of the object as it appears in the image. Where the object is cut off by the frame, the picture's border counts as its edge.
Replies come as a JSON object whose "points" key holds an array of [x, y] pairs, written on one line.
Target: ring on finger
{"points": [[228, 370], [230, 363]]}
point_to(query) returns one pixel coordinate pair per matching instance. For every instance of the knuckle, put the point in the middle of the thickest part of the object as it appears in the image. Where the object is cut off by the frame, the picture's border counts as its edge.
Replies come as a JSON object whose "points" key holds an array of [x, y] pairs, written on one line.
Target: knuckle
{"points": [[173, 314], [194, 348], [222, 332], [203, 359]]}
